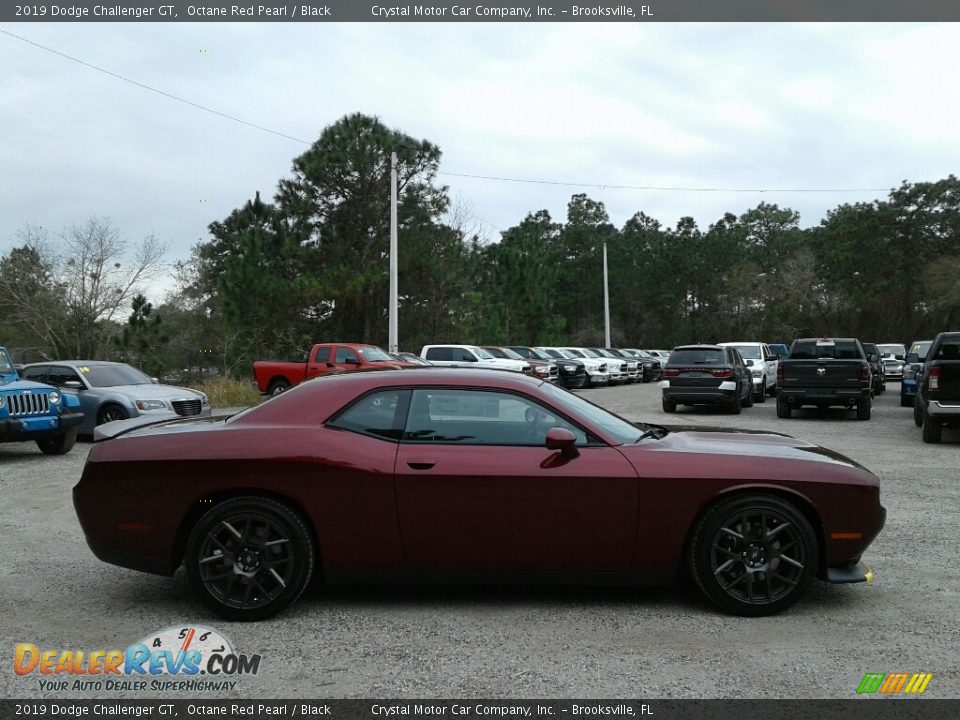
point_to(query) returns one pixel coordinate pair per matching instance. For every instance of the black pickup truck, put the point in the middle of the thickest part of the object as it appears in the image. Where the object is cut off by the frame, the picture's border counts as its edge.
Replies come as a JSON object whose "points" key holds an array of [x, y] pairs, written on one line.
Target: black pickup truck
{"points": [[938, 397], [824, 372]]}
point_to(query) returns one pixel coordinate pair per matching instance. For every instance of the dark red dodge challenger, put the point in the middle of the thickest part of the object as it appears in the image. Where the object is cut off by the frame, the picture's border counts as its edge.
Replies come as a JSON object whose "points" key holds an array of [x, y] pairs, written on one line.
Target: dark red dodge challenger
{"points": [[470, 475]]}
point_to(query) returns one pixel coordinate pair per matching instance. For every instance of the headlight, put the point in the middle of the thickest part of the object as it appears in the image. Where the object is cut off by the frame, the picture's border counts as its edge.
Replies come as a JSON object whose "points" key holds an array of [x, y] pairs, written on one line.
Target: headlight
{"points": [[54, 397], [150, 405], [758, 373], [3, 400], [541, 369], [204, 400]]}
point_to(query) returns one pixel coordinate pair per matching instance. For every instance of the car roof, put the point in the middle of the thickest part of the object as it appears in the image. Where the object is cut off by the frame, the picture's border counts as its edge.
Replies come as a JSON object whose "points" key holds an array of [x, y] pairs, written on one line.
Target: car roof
{"points": [[75, 362], [698, 347]]}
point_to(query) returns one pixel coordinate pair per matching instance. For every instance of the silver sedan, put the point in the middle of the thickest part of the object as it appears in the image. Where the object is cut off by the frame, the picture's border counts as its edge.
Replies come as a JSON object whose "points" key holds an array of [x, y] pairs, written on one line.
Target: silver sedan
{"points": [[115, 391]]}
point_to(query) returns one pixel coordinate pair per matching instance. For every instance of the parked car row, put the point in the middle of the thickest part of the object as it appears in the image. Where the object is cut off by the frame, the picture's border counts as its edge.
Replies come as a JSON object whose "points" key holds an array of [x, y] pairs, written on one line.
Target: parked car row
{"points": [[54, 402]]}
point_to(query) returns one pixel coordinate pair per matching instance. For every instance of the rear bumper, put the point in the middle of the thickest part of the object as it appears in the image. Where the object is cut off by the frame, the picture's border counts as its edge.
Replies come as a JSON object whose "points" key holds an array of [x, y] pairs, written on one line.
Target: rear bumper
{"points": [[854, 573], [683, 394], [821, 396], [950, 408]]}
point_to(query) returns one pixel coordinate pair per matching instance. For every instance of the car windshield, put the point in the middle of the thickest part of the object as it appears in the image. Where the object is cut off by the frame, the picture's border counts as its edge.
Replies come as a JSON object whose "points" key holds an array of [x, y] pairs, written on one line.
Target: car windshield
{"points": [[614, 425], [590, 353], [574, 353], [536, 354], [890, 349], [749, 352], [482, 354], [113, 375], [921, 348], [374, 354], [512, 354], [697, 356], [6, 363]]}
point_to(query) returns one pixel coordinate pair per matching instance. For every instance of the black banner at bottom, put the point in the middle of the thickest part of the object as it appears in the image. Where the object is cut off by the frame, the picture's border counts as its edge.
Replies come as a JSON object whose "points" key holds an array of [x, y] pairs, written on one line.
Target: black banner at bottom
{"points": [[873, 708]]}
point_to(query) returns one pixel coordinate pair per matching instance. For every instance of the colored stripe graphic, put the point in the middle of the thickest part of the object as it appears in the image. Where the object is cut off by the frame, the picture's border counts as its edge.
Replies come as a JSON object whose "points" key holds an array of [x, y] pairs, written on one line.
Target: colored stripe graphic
{"points": [[894, 683]]}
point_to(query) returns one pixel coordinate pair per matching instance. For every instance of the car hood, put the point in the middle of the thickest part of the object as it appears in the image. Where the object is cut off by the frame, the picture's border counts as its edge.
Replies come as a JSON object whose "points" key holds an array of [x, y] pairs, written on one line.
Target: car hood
{"points": [[18, 385], [151, 392], [747, 443], [504, 363]]}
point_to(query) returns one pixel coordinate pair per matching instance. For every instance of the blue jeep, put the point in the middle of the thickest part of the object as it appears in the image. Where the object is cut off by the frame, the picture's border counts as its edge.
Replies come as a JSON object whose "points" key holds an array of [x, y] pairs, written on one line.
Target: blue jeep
{"points": [[32, 411]]}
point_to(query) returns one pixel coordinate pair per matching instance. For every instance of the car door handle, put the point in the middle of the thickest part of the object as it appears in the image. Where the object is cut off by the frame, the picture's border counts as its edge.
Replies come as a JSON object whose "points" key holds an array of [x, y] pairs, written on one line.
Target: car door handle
{"points": [[421, 464]]}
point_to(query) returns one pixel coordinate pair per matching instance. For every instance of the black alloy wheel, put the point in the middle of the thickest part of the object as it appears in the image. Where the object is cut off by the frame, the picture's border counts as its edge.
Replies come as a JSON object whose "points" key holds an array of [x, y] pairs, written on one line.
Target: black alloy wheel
{"points": [[111, 412], [753, 555], [249, 558]]}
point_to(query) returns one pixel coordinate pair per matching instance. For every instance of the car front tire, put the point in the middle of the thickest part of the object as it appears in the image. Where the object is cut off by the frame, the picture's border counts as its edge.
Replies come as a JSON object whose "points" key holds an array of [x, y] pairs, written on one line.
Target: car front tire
{"points": [[249, 558], [753, 555], [111, 412], [59, 444]]}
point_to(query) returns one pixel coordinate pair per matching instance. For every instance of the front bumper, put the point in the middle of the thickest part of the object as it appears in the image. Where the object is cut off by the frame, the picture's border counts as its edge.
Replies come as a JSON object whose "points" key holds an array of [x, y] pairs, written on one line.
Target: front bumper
{"points": [[37, 428]]}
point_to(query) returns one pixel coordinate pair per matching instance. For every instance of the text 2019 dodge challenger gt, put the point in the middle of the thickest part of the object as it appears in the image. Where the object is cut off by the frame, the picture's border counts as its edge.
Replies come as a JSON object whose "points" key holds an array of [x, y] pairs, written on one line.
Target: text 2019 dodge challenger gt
{"points": [[439, 475]]}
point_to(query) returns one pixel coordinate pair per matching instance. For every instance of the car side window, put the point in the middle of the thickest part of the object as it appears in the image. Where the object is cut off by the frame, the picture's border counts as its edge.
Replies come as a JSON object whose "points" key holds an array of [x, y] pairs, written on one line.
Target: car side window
{"points": [[380, 414], [59, 375], [440, 354], [345, 355], [480, 417], [463, 355], [37, 374], [323, 355]]}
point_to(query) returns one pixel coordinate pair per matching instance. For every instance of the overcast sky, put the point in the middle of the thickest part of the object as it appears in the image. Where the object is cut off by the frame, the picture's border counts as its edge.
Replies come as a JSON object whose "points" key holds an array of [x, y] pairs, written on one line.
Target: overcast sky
{"points": [[824, 108]]}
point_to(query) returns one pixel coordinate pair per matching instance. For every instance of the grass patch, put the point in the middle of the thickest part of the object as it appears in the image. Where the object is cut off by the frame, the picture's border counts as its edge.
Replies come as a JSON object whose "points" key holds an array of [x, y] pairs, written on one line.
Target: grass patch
{"points": [[224, 392]]}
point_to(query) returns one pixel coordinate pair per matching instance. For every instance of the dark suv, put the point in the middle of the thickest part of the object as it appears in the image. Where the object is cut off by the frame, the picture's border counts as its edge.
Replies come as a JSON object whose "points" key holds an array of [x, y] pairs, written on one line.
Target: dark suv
{"points": [[878, 378], [706, 375]]}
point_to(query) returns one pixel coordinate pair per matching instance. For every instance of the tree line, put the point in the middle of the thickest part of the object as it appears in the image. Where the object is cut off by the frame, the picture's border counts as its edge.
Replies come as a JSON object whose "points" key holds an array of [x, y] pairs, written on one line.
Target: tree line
{"points": [[312, 265]]}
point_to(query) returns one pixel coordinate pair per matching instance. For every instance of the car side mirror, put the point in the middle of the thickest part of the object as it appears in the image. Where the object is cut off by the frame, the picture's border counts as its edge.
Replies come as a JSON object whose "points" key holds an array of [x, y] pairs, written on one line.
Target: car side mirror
{"points": [[913, 358], [748, 363], [470, 358], [873, 357], [73, 385], [563, 440], [899, 357]]}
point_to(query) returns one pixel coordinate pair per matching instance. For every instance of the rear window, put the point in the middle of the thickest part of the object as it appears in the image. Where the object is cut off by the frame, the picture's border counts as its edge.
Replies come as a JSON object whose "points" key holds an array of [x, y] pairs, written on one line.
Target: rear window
{"points": [[705, 356], [949, 350], [835, 349]]}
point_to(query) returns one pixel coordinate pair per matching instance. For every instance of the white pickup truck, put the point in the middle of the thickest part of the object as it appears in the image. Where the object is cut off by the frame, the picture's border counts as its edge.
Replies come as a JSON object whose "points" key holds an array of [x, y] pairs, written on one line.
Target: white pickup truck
{"points": [[470, 356]]}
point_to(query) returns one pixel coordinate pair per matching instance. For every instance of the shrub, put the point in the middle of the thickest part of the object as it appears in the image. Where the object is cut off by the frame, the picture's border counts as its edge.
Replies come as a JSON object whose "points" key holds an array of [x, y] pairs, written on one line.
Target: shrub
{"points": [[224, 392]]}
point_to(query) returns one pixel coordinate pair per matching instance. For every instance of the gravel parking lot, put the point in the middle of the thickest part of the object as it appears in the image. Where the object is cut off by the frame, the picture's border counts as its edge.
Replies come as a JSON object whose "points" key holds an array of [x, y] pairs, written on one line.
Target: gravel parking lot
{"points": [[529, 642]]}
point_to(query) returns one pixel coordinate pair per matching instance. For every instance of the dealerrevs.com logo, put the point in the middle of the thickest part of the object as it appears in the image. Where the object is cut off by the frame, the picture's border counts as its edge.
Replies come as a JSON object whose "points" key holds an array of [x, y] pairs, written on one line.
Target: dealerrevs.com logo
{"points": [[169, 660]]}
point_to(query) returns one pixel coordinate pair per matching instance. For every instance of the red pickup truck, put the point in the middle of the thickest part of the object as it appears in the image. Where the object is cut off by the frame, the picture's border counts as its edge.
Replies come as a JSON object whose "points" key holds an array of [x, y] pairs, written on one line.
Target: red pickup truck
{"points": [[273, 377]]}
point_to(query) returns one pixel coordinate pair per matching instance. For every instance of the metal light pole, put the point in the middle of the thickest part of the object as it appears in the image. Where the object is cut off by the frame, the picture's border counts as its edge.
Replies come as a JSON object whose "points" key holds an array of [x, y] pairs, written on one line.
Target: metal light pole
{"points": [[392, 342], [606, 300]]}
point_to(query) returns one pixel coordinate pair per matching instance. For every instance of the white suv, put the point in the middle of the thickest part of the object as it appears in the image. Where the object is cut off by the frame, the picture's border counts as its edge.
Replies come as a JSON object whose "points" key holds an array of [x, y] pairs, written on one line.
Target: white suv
{"points": [[763, 364], [470, 356]]}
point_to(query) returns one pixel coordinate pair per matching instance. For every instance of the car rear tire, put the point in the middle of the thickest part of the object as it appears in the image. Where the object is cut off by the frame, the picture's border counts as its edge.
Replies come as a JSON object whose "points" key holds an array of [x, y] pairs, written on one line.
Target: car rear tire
{"points": [[111, 412], [917, 412], [59, 444], [669, 406], [277, 387], [735, 405], [760, 397], [932, 429], [249, 558], [863, 409], [906, 402], [753, 555], [783, 408]]}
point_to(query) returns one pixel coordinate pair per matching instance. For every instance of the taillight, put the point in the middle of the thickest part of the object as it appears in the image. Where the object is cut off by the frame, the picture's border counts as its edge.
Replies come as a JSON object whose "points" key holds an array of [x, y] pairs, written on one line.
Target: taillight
{"points": [[722, 372], [671, 373], [934, 378], [865, 374], [780, 373]]}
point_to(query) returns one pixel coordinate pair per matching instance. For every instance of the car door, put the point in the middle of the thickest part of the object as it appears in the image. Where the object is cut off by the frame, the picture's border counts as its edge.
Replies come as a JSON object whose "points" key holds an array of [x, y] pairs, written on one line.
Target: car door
{"points": [[477, 490], [60, 375], [318, 364], [345, 358]]}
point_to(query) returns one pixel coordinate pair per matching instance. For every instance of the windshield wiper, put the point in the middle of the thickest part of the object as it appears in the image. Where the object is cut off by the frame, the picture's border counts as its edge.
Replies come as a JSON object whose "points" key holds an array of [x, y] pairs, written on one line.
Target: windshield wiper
{"points": [[657, 432]]}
